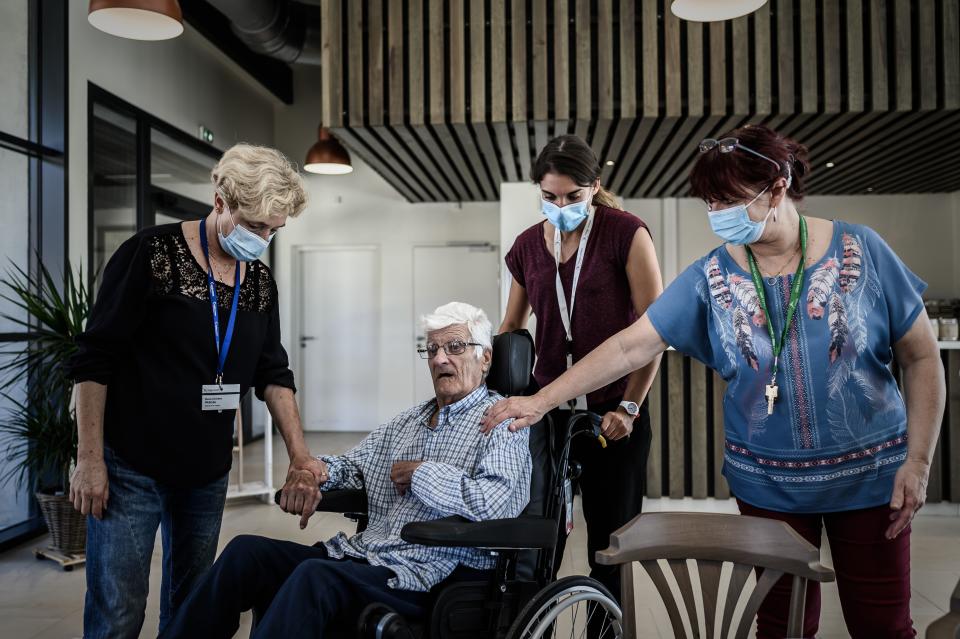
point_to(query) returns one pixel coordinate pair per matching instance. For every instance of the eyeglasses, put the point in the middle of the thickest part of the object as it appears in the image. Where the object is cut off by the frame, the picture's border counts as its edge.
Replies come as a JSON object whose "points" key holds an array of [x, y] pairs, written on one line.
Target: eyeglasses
{"points": [[727, 145], [456, 347]]}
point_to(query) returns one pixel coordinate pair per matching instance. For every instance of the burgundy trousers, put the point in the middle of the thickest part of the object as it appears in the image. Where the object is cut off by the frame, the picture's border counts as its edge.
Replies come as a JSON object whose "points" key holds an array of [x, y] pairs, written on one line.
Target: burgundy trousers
{"points": [[873, 574]]}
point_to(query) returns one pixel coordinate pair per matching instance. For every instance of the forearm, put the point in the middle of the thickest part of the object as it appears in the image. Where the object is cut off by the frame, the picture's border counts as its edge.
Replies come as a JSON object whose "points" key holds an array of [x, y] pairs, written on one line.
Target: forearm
{"points": [[634, 348], [343, 474], [509, 325], [450, 491], [91, 403], [640, 381], [283, 407], [925, 390]]}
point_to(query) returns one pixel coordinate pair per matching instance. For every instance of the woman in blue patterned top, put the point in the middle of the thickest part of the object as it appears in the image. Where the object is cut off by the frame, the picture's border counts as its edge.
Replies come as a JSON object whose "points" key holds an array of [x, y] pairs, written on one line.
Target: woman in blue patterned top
{"points": [[802, 317]]}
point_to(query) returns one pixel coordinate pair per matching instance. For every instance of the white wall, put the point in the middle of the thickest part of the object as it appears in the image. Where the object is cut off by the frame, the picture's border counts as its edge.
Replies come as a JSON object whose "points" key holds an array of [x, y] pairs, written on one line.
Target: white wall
{"points": [[184, 82], [361, 208], [519, 209]]}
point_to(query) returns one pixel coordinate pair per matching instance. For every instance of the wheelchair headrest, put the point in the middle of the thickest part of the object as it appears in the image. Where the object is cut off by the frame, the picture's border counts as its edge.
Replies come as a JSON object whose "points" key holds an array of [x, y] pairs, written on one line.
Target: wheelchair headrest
{"points": [[512, 364]]}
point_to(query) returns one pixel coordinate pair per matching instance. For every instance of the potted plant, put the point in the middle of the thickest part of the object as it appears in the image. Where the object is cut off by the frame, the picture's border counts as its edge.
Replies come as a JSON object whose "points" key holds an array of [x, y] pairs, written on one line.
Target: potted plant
{"points": [[38, 432]]}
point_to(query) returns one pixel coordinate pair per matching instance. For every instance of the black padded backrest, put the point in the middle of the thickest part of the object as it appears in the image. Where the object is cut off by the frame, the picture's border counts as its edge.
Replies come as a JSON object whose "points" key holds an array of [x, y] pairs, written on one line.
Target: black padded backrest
{"points": [[512, 365], [511, 373]]}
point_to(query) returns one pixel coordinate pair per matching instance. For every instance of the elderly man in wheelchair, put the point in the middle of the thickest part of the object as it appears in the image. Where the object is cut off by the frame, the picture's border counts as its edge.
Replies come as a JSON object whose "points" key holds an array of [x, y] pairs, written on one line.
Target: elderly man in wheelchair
{"points": [[440, 550]]}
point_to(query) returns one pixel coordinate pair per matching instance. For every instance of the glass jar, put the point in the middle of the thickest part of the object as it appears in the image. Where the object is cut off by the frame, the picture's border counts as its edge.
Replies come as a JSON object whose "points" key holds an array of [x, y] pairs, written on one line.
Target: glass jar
{"points": [[949, 329]]}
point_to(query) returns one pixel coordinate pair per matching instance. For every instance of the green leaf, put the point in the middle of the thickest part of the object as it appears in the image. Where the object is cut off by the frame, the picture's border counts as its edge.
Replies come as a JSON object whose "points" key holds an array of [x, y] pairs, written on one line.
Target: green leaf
{"points": [[38, 435]]}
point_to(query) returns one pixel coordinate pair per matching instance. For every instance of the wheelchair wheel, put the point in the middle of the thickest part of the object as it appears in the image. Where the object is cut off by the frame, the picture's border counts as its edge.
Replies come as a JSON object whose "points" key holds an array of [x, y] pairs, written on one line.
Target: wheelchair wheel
{"points": [[572, 607]]}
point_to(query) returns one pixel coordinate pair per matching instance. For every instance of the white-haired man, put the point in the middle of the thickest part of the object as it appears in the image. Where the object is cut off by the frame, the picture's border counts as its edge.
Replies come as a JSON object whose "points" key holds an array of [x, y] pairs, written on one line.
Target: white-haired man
{"points": [[430, 461]]}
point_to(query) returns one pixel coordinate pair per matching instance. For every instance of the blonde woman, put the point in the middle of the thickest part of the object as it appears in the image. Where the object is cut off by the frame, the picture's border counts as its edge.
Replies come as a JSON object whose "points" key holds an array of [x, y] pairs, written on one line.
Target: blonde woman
{"points": [[186, 321]]}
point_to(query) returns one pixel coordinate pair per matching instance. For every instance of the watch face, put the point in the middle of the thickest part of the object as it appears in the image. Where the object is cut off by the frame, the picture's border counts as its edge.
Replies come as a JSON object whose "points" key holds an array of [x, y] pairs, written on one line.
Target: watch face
{"points": [[631, 407]]}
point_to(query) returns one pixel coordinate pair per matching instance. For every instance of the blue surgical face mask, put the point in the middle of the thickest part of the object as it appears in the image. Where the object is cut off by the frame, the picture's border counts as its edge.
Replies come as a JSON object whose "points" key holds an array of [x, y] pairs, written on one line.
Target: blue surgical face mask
{"points": [[566, 218], [242, 243], [734, 225]]}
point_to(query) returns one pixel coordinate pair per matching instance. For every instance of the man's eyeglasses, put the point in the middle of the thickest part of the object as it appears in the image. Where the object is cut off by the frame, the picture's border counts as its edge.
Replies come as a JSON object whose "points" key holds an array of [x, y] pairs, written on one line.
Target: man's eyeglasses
{"points": [[456, 347], [727, 145]]}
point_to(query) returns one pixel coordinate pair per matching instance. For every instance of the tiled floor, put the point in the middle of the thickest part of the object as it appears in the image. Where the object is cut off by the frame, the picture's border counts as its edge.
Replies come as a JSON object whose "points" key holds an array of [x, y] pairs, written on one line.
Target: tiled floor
{"points": [[38, 601]]}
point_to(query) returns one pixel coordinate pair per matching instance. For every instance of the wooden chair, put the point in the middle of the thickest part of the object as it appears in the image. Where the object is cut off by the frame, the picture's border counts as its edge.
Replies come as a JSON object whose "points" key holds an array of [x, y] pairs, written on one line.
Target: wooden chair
{"points": [[712, 539], [947, 626]]}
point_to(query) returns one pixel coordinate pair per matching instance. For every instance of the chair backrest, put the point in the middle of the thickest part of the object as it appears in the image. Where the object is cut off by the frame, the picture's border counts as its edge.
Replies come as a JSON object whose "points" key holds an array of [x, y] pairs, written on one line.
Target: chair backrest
{"points": [[511, 373], [771, 547], [947, 626]]}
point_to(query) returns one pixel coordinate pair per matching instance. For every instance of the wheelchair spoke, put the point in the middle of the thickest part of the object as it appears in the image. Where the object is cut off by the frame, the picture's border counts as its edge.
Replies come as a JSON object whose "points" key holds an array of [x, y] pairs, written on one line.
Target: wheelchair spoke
{"points": [[607, 624], [589, 619], [557, 615], [573, 624]]}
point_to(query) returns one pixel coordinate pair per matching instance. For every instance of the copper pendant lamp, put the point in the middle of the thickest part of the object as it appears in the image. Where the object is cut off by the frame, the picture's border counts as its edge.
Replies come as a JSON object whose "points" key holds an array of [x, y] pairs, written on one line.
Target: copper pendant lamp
{"points": [[327, 156], [137, 19]]}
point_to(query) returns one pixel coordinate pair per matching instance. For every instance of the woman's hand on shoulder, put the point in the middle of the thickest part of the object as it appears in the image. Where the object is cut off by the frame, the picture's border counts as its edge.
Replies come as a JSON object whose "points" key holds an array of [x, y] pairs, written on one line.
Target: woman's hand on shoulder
{"points": [[525, 411]]}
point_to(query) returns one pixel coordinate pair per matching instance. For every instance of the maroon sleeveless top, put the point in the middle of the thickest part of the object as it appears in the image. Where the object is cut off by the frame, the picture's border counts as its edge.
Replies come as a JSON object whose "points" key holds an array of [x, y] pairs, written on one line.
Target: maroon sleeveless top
{"points": [[603, 306]]}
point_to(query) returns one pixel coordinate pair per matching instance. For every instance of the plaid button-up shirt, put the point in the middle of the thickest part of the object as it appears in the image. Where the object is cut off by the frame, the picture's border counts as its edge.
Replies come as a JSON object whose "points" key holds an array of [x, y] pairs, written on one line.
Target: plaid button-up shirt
{"points": [[464, 472]]}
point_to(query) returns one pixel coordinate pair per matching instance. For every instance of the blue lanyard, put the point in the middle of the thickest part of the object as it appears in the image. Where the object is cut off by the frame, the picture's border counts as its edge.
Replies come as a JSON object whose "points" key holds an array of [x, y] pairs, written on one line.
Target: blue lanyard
{"points": [[211, 284]]}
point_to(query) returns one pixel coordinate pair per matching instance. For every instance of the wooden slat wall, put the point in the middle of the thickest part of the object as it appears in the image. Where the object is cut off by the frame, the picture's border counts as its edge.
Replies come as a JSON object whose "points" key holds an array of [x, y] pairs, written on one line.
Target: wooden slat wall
{"points": [[686, 462], [951, 426], [447, 98]]}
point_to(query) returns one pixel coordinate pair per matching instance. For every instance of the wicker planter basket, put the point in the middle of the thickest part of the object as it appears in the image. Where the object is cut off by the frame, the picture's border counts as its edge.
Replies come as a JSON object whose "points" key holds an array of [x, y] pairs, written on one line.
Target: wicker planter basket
{"points": [[68, 528]]}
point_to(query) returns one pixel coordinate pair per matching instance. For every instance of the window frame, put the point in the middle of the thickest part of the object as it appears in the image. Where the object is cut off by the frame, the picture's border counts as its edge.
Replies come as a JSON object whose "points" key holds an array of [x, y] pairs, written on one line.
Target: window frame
{"points": [[147, 196], [45, 148]]}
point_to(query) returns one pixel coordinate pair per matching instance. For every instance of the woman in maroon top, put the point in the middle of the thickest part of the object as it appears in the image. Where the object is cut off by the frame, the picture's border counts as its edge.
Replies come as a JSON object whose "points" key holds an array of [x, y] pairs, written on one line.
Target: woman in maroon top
{"points": [[617, 278]]}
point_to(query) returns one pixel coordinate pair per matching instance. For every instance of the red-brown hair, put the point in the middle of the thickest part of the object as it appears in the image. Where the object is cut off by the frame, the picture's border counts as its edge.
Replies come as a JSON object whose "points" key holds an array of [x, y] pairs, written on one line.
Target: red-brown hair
{"points": [[739, 175]]}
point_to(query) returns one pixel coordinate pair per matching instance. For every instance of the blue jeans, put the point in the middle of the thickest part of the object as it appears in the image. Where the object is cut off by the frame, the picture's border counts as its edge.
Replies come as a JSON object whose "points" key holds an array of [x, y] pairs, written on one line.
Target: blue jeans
{"points": [[120, 546]]}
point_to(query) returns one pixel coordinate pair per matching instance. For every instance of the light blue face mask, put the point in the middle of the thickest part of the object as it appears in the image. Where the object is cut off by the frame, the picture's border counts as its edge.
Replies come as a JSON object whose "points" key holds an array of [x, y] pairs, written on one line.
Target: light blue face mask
{"points": [[242, 243], [566, 218], [734, 225]]}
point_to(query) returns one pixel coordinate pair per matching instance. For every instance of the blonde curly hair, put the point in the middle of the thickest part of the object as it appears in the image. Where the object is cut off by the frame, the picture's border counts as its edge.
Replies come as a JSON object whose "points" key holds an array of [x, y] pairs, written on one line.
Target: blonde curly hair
{"points": [[258, 181]]}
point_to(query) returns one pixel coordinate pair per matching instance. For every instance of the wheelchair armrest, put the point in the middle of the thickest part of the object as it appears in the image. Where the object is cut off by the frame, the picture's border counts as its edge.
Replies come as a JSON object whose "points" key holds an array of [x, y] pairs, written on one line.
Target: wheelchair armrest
{"points": [[518, 533], [352, 502]]}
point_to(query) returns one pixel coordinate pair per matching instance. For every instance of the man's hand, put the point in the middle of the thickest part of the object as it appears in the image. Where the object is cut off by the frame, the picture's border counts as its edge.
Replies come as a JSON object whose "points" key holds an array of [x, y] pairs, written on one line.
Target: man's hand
{"points": [[616, 424], [301, 492], [401, 474], [89, 488], [909, 495]]}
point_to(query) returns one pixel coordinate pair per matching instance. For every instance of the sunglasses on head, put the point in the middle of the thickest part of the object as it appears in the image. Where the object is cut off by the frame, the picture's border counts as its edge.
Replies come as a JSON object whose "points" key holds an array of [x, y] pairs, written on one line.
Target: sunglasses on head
{"points": [[727, 145]]}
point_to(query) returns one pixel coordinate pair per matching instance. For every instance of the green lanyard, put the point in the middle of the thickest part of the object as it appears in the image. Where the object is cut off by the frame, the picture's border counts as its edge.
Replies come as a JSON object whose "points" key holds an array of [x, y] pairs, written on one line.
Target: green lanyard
{"points": [[795, 290]]}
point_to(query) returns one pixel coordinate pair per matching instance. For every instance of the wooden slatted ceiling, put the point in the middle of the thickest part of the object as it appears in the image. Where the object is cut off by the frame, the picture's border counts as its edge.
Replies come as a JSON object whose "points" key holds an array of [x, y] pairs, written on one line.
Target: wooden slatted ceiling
{"points": [[446, 99]]}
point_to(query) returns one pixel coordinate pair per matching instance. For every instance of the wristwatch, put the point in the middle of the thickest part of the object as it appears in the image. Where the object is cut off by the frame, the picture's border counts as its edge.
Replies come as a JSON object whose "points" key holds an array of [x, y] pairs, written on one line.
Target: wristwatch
{"points": [[632, 408]]}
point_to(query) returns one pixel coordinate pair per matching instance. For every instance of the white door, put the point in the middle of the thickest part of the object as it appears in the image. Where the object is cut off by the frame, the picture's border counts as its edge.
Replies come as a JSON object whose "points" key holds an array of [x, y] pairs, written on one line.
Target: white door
{"points": [[339, 337], [441, 274]]}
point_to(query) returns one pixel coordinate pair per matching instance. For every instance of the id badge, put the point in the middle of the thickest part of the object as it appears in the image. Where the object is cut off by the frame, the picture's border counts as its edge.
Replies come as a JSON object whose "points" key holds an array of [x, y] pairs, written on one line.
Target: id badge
{"points": [[220, 397]]}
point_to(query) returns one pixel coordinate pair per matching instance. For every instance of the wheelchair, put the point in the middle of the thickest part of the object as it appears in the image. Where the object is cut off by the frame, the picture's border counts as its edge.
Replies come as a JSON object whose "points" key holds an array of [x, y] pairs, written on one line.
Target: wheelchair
{"points": [[518, 599]]}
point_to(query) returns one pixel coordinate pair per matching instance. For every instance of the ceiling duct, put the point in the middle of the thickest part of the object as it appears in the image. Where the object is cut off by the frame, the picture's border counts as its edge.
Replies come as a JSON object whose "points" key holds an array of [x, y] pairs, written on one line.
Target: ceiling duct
{"points": [[282, 29]]}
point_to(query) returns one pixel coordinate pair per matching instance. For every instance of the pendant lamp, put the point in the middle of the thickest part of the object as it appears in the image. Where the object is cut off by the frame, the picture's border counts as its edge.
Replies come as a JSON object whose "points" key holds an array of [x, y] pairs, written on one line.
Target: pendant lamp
{"points": [[714, 10], [137, 19], [327, 156]]}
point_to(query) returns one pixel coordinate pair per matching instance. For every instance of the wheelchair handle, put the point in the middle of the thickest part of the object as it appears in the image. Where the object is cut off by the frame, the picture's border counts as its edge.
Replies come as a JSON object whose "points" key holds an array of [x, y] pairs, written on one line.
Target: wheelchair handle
{"points": [[587, 422]]}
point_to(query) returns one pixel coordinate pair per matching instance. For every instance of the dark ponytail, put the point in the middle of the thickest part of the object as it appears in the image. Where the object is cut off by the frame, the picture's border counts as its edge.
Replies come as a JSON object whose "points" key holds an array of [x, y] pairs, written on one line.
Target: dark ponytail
{"points": [[571, 156]]}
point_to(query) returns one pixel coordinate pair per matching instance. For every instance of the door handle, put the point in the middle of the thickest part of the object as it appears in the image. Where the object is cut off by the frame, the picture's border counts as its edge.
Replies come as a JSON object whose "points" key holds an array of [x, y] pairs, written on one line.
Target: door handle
{"points": [[304, 339]]}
